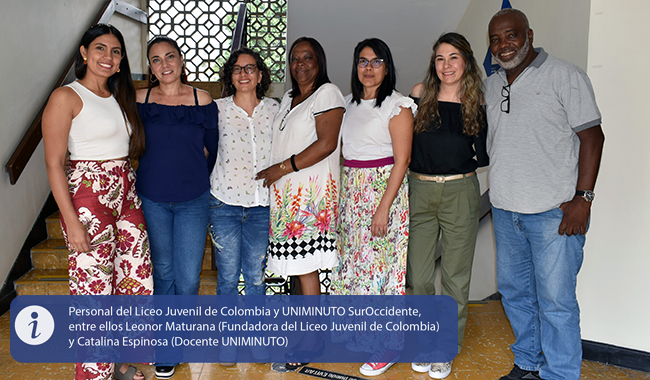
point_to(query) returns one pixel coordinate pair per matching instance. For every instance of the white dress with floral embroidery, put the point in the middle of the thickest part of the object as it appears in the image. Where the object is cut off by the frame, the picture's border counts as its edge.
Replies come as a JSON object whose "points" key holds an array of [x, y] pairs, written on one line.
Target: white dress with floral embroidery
{"points": [[304, 204]]}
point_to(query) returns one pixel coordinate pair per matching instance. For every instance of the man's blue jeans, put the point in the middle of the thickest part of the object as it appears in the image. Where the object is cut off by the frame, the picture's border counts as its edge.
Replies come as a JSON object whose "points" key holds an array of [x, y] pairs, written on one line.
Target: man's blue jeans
{"points": [[241, 237], [177, 232], [536, 273]]}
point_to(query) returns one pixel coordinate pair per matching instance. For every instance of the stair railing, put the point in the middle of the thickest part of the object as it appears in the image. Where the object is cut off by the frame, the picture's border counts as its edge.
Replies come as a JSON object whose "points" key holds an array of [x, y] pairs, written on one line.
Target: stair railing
{"points": [[33, 136]]}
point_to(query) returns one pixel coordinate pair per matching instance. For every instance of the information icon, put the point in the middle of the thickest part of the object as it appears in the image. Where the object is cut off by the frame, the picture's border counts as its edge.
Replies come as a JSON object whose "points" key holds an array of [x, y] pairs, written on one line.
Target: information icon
{"points": [[34, 325]]}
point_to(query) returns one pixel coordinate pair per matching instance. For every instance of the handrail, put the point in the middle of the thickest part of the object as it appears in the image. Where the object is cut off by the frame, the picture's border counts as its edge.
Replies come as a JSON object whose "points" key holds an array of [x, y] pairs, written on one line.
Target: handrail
{"points": [[34, 134]]}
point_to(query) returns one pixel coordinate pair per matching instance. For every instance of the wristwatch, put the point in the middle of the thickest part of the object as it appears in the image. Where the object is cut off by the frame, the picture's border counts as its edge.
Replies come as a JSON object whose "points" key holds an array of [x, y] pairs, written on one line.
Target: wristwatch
{"points": [[587, 195], [283, 167]]}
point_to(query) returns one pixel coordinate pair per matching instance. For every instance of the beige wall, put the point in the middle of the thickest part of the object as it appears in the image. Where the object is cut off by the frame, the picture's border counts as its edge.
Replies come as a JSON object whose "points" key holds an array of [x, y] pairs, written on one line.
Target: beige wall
{"points": [[39, 38], [616, 272]]}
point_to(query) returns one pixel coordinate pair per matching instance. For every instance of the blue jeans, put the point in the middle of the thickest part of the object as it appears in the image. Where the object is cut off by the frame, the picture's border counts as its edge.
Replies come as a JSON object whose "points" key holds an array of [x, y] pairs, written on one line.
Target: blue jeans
{"points": [[177, 232], [241, 236], [536, 273]]}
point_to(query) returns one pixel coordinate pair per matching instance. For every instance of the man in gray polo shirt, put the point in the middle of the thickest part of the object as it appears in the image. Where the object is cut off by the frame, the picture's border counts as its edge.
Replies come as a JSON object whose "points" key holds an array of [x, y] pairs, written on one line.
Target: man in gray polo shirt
{"points": [[545, 144]]}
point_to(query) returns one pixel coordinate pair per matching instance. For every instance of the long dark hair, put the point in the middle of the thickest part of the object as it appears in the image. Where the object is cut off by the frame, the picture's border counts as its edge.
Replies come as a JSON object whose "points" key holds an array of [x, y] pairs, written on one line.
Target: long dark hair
{"points": [[388, 84], [226, 73], [322, 77], [153, 81], [120, 85], [471, 90]]}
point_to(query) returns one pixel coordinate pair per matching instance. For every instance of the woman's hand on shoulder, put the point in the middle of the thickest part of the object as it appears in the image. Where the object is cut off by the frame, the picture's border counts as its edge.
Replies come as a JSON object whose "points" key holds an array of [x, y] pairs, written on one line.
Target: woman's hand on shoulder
{"points": [[417, 90], [204, 97]]}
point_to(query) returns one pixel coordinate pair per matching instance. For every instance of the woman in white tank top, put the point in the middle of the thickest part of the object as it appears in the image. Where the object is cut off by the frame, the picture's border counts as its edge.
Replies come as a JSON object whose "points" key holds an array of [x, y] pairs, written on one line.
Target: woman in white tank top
{"points": [[95, 118]]}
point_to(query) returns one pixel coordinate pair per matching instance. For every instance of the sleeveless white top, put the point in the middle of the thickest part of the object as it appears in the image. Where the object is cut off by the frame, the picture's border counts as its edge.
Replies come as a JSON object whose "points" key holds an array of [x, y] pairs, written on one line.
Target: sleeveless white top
{"points": [[100, 130]]}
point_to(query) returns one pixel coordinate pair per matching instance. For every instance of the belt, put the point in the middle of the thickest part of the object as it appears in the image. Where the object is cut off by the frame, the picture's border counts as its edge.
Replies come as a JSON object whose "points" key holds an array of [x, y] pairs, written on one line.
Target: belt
{"points": [[440, 178]]}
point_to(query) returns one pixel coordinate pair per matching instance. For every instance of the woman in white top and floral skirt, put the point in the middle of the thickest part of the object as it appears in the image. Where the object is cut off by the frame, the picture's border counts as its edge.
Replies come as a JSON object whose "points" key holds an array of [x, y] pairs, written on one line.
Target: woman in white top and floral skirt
{"points": [[373, 226]]}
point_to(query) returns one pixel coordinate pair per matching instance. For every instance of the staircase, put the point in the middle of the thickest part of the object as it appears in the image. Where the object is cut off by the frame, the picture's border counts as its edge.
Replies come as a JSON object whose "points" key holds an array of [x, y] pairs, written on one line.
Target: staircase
{"points": [[49, 274]]}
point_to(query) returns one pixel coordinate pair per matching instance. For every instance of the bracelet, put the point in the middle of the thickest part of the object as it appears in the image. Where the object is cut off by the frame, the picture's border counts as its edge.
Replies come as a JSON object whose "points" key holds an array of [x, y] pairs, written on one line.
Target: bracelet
{"points": [[283, 167], [293, 162]]}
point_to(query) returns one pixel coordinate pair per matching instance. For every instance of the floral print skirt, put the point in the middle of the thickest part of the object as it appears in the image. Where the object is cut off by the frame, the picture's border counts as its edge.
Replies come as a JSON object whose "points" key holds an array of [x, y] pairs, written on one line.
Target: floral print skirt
{"points": [[370, 265], [302, 236]]}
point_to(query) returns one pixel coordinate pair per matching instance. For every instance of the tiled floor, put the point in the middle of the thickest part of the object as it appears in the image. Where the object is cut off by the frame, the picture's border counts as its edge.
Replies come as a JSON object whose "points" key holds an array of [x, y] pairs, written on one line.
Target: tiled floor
{"points": [[485, 356]]}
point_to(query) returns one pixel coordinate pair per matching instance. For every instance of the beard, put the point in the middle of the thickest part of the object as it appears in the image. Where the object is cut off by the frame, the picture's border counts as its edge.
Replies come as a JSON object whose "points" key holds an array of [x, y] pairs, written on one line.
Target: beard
{"points": [[518, 59]]}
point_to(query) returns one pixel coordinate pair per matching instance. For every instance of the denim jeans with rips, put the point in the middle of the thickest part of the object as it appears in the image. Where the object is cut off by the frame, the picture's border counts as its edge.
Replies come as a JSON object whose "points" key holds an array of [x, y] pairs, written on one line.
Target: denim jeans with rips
{"points": [[241, 237], [536, 273]]}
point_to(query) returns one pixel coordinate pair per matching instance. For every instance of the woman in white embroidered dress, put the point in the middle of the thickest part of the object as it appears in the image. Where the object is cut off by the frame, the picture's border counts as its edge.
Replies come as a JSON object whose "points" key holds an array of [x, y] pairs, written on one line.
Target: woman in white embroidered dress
{"points": [[304, 180]]}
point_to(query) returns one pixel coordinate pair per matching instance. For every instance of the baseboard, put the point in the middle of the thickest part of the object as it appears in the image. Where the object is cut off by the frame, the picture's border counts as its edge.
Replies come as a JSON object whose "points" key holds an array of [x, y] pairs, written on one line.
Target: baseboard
{"points": [[23, 262], [618, 356], [494, 297]]}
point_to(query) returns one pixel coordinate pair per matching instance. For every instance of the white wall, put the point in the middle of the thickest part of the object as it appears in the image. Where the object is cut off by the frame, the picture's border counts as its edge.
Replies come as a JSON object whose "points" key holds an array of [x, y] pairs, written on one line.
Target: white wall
{"points": [[38, 39], [615, 275], [409, 27], [561, 27]]}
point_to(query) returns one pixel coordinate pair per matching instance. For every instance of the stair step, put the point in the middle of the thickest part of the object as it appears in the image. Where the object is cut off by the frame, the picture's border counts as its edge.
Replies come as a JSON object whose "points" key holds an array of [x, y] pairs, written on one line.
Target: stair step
{"points": [[50, 261], [50, 254], [43, 282], [53, 254], [55, 282], [47, 259], [53, 224]]}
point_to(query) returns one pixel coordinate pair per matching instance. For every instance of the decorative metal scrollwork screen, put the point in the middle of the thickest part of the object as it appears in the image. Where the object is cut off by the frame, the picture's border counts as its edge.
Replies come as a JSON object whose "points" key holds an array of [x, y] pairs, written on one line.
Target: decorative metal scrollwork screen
{"points": [[204, 30]]}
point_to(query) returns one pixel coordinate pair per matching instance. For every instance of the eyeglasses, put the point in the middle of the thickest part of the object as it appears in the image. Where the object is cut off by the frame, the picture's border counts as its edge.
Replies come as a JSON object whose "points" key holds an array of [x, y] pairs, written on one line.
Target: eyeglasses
{"points": [[505, 103], [248, 68], [375, 63]]}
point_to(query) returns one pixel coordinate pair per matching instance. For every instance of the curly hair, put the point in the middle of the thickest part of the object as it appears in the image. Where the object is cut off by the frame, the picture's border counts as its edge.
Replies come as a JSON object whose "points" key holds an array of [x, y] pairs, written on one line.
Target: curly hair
{"points": [[225, 76], [471, 90]]}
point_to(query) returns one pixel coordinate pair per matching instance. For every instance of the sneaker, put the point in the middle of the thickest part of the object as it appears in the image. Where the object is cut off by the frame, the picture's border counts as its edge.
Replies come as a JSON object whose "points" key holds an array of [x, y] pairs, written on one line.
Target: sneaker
{"points": [[165, 371], [521, 374], [421, 367], [379, 363], [440, 370]]}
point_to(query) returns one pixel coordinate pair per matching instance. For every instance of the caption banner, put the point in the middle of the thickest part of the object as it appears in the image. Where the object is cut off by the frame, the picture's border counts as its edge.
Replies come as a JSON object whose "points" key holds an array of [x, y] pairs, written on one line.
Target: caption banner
{"points": [[208, 329]]}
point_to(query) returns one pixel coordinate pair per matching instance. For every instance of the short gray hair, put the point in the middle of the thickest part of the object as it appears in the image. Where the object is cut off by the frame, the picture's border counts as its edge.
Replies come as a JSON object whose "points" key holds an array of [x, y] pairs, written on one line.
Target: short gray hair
{"points": [[519, 14]]}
